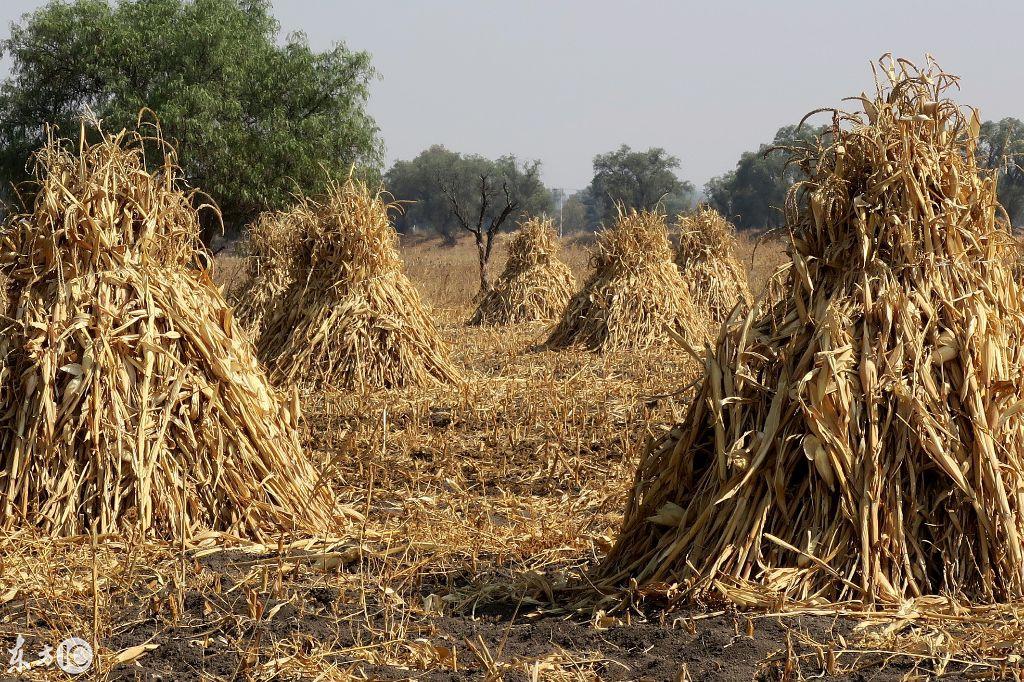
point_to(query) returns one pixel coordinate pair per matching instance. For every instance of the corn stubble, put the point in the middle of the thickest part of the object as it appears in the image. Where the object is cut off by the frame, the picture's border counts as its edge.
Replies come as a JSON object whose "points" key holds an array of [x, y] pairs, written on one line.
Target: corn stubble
{"points": [[706, 256], [354, 319], [861, 438], [635, 296], [130, 400], [535, 285]]}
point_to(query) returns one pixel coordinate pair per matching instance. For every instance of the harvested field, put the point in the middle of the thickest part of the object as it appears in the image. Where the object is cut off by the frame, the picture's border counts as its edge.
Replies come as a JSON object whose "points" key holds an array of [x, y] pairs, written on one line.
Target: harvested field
{"points": [[516, 342], [481, 503]]}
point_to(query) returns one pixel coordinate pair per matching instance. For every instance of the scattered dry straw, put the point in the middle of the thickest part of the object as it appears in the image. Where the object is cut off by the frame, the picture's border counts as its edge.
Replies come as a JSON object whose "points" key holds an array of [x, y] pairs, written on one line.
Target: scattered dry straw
{"points": [[717, 281], [354, 319], [129, 398], [635, 296], [863, 438], [535, 285]]}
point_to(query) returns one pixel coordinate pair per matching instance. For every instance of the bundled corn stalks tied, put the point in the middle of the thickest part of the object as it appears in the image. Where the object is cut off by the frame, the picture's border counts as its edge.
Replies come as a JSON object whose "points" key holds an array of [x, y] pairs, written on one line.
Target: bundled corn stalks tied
{"points": [[716, 279], [269, 250], [635, 296], [863, 438], [354, 319], [129, 398], [535, 285]]}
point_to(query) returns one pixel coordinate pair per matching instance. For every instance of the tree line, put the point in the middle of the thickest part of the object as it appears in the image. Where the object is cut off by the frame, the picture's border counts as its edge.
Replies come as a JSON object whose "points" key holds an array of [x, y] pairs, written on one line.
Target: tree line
{"points": [[257, 120], [751, 195]]}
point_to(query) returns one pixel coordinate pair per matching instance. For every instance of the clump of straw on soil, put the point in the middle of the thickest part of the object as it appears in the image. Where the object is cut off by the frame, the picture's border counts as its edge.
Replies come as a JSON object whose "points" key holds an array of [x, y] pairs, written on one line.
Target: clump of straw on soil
{"points": [[635, 296], [130, 400], [864, 438], [269, 250], [717, 281], [354, 319], [535, 285]]}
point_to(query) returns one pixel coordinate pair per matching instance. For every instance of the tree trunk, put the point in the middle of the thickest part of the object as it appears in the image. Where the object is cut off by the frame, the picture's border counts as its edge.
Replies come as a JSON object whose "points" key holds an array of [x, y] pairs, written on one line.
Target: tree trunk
{"points": [[482, 257]]}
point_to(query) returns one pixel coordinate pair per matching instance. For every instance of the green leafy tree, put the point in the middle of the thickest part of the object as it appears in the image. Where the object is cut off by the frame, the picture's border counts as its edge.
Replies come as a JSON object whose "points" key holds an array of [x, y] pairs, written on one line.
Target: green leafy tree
{"points": [[753, 194], [254, 120], [636, 179], [1001, 147]]}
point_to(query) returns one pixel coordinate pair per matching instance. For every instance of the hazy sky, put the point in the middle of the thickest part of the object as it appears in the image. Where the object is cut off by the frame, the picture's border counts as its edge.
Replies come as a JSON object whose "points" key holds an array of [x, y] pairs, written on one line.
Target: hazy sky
{"points": [[564, 80]]}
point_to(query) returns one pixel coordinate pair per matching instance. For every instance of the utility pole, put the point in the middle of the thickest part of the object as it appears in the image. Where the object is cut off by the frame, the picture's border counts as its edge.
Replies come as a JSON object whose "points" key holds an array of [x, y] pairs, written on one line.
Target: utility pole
{"points": [[559, 193]]}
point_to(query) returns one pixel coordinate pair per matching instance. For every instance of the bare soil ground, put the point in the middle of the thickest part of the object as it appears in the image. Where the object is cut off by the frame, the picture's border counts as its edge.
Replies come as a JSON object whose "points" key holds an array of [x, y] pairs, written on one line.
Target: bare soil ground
{"points": [[476, 512]]}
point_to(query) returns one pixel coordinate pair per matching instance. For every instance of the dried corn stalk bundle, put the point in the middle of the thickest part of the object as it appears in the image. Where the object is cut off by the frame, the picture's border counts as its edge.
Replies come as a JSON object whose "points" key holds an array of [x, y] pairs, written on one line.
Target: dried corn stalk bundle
{"points": [[354, 319], [269, 250], [862, 439], [535, 285], [717, 281], [129, 398], [635, 296]]}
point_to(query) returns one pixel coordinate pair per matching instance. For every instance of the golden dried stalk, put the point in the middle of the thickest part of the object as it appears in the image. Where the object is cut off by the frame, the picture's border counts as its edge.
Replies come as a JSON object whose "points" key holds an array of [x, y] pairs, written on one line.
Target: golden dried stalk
{"points": [[129, 397], [717, 281], [535, 285], [5, 297], [862, 438], [354, 319], [634, 296]]}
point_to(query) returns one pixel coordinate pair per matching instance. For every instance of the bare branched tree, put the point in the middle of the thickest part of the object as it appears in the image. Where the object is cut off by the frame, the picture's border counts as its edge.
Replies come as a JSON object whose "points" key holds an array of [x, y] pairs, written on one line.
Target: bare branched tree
{"points": [[486, 220]]}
